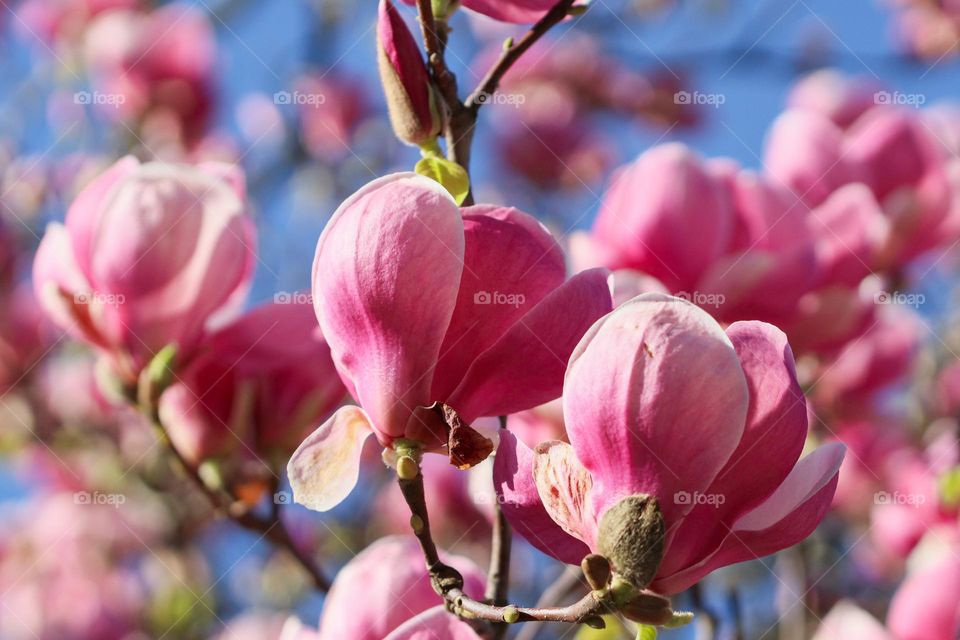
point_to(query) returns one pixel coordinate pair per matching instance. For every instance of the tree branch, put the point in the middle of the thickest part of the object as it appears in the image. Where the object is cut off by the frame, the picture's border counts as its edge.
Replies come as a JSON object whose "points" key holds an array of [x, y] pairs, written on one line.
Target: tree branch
{"points": [[488, 86], [449, 583], [273, 528], [498, 576]]}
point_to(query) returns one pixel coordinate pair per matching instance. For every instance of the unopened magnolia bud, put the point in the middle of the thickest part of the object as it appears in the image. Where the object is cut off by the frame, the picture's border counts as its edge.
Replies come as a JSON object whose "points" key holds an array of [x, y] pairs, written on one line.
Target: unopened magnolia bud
{"points": [[595, 622], [596, 569], [511, 615], [631, 536], [157, 375], [406, 83], [407, 468]]}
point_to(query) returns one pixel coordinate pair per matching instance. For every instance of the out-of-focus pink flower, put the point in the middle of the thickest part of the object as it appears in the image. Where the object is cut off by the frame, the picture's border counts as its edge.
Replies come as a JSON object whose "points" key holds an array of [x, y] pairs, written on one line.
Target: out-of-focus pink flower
{"points": [[927, 604], [833, 95], [910, 504], [744, 496], [148, 253], [948, 389], [730, 240], [329, 116], [882, 356], [829, 318], [871, 442], [155, 64], [383, 587], [518, 11], [54, 21], [929, 29], [24, 334], [434, 624], [846, 620], [805, 152], [539, 424], [257, 388], [410, 100], [423, 303], [253, 625]]}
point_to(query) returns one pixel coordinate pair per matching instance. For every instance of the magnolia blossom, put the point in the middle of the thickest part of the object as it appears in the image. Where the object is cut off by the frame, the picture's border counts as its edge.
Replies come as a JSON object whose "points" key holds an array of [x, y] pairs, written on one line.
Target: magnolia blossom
{"points": [[413, 111], [422, 303], [256, 389], [728, 239], [385, 592], [659, 401], [147, 255]]}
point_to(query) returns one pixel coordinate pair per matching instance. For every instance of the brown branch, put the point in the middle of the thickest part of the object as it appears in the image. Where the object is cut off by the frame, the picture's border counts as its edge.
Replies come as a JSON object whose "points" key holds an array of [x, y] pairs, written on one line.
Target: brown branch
{"points": [[488, 86], [498, 576], [273, 528], [449, 583], [565, 583]]}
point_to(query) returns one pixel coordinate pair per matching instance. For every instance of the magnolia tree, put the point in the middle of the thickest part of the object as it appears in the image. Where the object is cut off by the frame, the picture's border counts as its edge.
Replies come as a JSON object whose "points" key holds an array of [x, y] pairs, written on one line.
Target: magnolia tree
{"points": [[696, 381]]}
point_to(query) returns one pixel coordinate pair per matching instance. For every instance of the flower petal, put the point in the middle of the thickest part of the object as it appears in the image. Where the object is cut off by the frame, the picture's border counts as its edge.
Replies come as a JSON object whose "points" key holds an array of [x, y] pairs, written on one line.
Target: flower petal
{"points": [[385, 281], [325, 467], [434, 624], [510, 263], [785, 518], [385, 585], [654, 401], [564, 486], [525, 367], [776, 428], [520, 502]]}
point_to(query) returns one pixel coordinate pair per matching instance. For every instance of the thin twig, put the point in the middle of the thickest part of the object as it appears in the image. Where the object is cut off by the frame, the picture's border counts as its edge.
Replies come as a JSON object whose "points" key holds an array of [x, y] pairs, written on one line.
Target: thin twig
{"points": [[498, 576], [273, 529], [488, 86], [449, 583], [565, 583]]}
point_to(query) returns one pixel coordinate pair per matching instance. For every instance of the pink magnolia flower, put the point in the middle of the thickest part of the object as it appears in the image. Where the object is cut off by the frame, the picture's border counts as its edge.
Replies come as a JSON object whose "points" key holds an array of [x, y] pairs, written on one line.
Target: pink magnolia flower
{"points": [[927, 605], [731, 240], [148, 254], [410, 100], [386, 587], [847, 620], [156, 65], [518, 11], [257, 388], [423, 303], [57, 21], [659, 400], [834, 95], [434, 624], [328, 125]]}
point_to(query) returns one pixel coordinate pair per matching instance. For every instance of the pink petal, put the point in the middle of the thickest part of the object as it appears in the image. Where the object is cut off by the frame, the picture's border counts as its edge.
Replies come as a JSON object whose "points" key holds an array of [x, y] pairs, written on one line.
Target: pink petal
{"points": [[647, 386], [325, 467], [846, 620], [435, 624], [651, 209], [385, 585], [776, 428], [385, 282], [525, 367], [564, 486], [510, 263], [784, 519], [850, 227], [804, 152], [520, 501], [927, 604], [83, 216]]}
